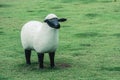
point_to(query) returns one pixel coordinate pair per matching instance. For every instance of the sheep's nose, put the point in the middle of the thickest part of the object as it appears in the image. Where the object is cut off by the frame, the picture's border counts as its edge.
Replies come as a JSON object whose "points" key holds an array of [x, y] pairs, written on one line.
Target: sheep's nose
{"points": [[57, 26]]}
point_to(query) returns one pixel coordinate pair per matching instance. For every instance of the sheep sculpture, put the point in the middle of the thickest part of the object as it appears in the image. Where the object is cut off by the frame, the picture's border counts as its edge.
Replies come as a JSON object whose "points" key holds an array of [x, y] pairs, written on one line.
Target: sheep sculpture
{"points": [[41, 37]]}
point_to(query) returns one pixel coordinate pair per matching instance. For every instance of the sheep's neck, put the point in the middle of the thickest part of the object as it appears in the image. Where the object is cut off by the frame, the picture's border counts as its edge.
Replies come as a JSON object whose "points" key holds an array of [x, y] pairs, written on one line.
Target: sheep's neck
{"points": [[47, 29]]}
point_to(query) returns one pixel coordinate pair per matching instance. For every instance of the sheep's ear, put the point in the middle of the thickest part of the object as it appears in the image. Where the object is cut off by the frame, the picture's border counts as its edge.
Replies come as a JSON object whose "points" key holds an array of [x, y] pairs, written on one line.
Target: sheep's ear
{"points": [[62, 19], [46, 20]]}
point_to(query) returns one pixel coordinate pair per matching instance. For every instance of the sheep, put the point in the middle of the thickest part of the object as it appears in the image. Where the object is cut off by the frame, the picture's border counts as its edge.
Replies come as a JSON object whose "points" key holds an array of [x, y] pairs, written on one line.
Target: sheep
{"points": [[42, 37]]}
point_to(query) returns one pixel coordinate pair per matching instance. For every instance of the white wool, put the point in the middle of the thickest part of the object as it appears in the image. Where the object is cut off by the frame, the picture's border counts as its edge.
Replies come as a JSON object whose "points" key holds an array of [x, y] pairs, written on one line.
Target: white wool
{"points": [[39, 36], [50, 16]]}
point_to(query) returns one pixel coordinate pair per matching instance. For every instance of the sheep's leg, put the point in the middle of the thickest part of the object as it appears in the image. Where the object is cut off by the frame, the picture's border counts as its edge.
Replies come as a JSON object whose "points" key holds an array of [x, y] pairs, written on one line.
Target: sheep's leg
{"points": [[40, 59], [27, 56], [52, 55]]}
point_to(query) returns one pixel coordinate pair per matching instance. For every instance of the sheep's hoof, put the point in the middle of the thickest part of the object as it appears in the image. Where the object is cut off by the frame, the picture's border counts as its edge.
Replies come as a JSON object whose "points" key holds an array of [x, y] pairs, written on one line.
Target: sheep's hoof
{"points": [[41, 67], [52, 67], [28, 63]]}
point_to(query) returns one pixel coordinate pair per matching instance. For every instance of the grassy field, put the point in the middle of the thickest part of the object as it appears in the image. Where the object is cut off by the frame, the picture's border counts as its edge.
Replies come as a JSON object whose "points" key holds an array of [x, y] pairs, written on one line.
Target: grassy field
{"points": [[89, 46]]}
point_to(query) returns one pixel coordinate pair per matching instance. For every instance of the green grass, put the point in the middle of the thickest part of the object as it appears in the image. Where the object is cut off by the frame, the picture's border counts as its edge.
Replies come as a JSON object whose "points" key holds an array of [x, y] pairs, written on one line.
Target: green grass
{"points": [[89, 46]]}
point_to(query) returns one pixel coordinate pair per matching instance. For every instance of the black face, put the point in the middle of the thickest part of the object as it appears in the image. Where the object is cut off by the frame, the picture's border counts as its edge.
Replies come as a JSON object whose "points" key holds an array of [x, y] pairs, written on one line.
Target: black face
{"points": [[54, 22]]}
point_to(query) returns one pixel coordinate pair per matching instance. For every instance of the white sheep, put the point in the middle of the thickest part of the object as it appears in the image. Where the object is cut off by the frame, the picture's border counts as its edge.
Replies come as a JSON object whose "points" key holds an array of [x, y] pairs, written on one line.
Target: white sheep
{"points": [[41, 37]]}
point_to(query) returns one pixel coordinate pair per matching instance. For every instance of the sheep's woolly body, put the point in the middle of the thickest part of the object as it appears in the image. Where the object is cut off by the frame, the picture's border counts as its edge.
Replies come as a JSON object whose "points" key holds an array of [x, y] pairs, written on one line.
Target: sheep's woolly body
{"points": [[39, 36]]}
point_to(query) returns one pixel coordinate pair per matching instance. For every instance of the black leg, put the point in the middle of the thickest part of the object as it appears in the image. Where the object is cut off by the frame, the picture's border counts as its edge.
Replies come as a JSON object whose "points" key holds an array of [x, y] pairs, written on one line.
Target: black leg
{"points": [[52, 55], [27, 56], [40, 59]]}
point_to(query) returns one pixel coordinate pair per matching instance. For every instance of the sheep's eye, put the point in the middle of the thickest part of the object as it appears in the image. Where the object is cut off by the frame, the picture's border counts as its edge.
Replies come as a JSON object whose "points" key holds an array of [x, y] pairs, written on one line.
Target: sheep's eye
{"points": [[53, 19]]}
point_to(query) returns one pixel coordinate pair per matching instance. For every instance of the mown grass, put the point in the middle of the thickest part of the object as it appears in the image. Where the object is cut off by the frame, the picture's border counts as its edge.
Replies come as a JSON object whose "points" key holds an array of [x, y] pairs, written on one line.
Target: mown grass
{"points": [[89, 46]]}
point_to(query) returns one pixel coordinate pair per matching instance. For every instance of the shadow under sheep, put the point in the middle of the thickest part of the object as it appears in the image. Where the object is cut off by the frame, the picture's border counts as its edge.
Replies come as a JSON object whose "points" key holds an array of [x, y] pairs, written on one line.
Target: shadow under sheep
{"points": [[34, 66]]}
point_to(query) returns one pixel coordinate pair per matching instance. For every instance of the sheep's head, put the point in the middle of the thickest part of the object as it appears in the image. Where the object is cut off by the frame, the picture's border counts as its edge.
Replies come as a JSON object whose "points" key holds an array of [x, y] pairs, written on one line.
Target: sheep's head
{"points": [[53, 21]]}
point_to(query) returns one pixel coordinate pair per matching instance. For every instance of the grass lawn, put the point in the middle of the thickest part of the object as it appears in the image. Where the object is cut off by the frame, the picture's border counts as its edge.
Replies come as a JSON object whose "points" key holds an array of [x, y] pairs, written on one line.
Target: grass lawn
{"points": [[89, 46]]}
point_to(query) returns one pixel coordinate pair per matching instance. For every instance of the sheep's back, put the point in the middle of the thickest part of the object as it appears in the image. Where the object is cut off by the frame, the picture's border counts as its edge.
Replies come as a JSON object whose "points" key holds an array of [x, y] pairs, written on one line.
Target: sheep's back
{"points": [[28, 32]]}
